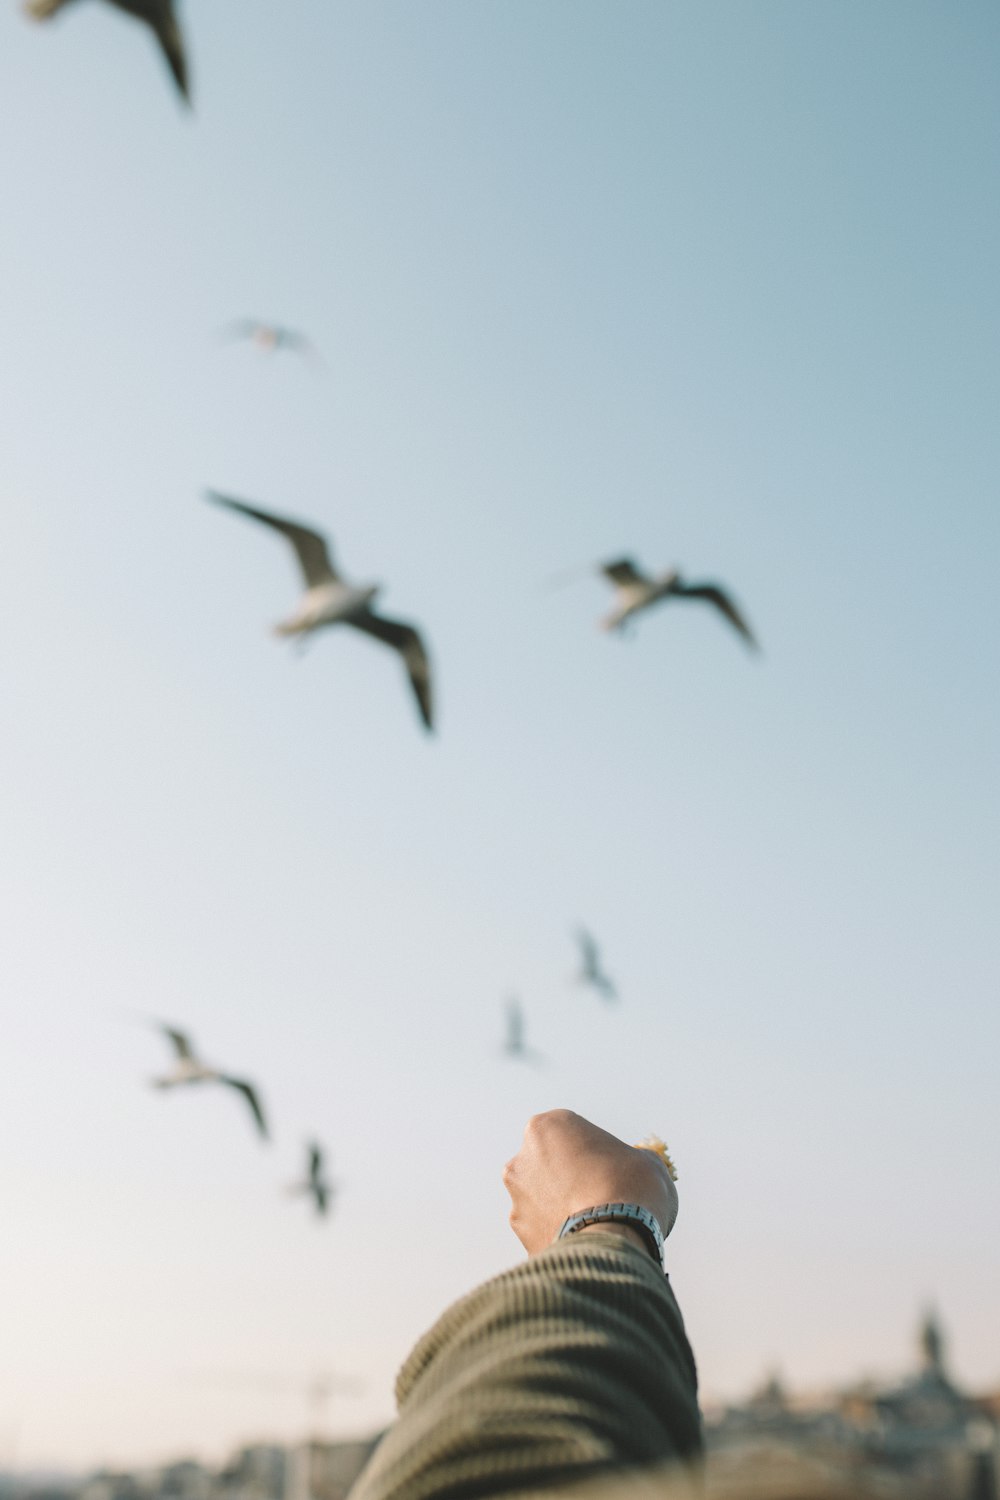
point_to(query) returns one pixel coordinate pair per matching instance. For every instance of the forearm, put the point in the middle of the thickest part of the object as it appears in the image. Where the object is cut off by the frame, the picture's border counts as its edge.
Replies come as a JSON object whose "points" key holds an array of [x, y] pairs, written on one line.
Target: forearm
{"points": [[572, 1362]]}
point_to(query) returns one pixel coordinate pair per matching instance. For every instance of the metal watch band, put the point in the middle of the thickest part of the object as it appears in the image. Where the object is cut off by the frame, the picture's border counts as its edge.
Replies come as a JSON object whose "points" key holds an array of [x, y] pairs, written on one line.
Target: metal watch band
{"points": [[620, 1213]]}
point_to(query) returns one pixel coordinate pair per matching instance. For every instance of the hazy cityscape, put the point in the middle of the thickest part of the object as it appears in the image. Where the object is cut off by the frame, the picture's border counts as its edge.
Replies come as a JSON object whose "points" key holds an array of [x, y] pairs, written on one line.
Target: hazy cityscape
{"points": [[922, 1438]]}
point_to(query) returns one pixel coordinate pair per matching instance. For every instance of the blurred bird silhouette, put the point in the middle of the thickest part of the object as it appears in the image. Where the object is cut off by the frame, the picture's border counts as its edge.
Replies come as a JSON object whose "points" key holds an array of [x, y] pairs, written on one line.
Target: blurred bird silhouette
{"points": [[189, 1068], [159, 15], [590, 967], [328, 600], [637, 591], [514, 1044], [316, 1183], [271, 337]]}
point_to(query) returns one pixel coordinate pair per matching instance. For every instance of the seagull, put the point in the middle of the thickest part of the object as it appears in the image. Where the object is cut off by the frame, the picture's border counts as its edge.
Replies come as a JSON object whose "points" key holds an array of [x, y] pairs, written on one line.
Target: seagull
{"points": [[514, 1044], [159, 15], [328, 600], [270, 337], [316, 1183], [189, 1068], [590, 967], [637, 591]]}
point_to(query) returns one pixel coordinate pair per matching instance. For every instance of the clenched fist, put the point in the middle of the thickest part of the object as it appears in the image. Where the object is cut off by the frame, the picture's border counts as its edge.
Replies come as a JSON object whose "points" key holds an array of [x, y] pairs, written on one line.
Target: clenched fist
{"points": [[565, 1165]]}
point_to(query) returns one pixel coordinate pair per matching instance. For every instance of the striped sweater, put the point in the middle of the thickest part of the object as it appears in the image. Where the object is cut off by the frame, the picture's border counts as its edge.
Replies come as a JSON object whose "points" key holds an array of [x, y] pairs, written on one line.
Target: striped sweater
{"points": [[570, 1365]]}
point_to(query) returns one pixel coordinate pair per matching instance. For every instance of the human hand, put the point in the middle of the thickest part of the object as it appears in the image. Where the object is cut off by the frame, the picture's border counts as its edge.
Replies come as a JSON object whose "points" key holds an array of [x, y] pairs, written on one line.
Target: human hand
{"points": [[565, 1164]]}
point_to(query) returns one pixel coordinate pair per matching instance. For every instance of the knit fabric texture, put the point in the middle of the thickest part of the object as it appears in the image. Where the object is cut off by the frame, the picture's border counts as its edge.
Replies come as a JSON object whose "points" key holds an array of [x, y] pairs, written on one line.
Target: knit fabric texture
{"points": [[573, 1363]]}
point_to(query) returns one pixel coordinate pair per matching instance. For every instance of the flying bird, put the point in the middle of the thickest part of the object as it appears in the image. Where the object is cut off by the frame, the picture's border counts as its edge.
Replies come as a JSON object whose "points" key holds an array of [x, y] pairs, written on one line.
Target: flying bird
{"points": [[514, 1044], [637, 591], [590, 971], [271, 337], [159, 16], [316, 1182], [188, 1068], [329, 600]]}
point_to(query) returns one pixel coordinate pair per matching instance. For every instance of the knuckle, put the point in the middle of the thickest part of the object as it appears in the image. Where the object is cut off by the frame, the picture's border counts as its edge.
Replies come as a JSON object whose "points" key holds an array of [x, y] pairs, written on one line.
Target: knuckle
{"points": [[560, 1116]]}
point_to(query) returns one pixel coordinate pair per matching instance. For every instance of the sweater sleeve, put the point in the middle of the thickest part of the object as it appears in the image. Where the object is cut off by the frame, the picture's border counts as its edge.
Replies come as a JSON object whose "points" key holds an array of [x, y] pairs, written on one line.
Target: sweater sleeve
{"points": [[573, 1363]]}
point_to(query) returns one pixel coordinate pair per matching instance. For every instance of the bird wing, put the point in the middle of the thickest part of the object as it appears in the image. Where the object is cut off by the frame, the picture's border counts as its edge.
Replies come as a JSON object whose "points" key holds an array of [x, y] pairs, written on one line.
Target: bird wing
{"points": [[40, 10], [293, 339], [298, 343], [406, 640], [250, 1095], [168, 32], [310, 547], [624, 572], [605, 985], [515, 1024], [315, 1164], [181, 1043], [712, 594], [588, 950]]}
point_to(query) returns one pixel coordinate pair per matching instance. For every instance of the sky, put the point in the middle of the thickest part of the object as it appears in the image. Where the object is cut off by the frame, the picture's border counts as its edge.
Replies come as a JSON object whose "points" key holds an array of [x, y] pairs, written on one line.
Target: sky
{"points": [[712, 286]]}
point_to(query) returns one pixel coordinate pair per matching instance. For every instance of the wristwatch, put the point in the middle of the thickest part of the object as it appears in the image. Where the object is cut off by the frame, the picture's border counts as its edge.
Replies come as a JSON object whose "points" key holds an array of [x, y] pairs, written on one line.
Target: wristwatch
{"points": [[620, 1213]]}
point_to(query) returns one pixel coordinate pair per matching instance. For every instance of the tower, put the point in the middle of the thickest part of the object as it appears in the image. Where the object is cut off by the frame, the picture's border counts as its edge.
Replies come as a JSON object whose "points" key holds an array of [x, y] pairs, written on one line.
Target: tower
{"points": [[932, 1345]]}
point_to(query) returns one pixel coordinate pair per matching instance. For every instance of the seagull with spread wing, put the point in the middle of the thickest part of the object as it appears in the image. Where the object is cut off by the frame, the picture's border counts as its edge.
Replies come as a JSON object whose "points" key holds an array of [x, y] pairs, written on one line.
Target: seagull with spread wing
{"points": [[159, 16], [590, 971], [316, 1183], [188, 1068], [270, 338], [637, 591], [329, 600]]}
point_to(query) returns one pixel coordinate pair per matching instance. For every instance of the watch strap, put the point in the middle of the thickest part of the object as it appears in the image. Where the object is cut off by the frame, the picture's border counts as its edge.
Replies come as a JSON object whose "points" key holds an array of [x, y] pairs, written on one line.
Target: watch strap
{"points": [[619, 1213]]}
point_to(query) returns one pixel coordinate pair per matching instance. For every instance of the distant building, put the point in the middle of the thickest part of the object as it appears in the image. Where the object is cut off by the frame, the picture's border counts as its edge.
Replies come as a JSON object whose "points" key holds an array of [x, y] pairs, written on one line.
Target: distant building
{"points": [[262, 1471], [925, 1439], [259, 1472], [107, 1485], [333, 1467]]}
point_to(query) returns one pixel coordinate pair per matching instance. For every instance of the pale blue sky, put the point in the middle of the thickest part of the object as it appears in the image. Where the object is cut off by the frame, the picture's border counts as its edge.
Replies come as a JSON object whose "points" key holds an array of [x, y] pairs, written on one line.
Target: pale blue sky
{"points": [[711, 284]]}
